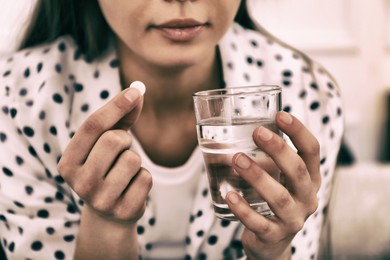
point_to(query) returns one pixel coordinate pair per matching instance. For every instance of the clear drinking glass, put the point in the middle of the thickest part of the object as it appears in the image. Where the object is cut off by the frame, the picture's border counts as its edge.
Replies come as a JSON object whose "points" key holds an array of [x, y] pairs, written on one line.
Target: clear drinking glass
{"points": [[226, 119]]}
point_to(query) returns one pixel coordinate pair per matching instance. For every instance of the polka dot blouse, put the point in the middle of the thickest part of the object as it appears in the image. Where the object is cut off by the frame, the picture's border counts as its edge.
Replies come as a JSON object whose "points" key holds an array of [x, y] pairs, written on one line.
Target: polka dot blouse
{"points": [[46, 92]]}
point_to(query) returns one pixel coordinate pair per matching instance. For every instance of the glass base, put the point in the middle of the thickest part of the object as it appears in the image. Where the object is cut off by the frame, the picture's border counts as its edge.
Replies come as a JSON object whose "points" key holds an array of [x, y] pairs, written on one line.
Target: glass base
{"points": [[223, 211]]}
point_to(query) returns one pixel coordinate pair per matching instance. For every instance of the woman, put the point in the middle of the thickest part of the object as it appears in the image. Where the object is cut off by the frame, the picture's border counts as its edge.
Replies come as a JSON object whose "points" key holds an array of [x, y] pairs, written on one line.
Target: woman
{"points": [[71, 187]]}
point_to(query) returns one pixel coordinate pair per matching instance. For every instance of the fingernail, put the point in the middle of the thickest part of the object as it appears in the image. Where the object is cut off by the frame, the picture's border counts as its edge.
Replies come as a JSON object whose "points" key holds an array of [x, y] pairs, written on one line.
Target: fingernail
{"points": [[264, 133], [286, 118], [243, 161], [132, 94], [233, 197]]}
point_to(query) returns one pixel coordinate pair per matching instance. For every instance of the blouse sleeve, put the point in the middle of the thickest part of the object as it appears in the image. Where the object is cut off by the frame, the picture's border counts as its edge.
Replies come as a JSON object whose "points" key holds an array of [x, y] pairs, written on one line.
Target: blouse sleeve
{"points": [[39, 217], [321, 98], [320, 101]]}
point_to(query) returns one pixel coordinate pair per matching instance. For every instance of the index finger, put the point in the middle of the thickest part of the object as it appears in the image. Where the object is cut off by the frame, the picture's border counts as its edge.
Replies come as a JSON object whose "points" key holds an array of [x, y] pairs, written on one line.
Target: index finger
{"points": [[126, 103]]}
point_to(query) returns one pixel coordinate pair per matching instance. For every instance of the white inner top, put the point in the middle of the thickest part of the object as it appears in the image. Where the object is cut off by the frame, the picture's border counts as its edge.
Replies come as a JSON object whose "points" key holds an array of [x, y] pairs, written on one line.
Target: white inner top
{"points": [[169, 183]]}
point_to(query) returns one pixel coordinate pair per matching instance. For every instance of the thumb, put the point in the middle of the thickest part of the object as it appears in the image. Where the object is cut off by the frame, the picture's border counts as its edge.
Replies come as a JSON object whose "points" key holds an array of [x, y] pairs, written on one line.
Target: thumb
{"points": [[131, 117]]}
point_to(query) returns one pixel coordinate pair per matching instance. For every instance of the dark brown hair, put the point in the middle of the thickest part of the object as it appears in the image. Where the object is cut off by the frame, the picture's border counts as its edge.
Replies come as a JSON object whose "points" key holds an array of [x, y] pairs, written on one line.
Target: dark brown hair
{"points": [[85, 23]]}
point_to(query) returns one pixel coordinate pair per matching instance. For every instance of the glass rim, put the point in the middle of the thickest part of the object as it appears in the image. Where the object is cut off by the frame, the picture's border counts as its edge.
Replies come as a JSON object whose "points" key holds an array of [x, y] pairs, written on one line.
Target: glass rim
{"points": [[235, 91]]}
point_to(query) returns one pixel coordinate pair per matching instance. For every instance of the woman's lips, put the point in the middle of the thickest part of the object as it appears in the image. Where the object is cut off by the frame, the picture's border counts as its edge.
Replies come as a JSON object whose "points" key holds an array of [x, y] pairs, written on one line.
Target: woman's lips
{"points": [[180, 30]]}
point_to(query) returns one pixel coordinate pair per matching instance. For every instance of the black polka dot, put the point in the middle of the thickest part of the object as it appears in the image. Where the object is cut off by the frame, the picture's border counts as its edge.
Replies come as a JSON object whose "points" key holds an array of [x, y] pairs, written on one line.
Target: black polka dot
{"points": [[325, 120], [53, 130], [29, 103], [42, 115], [315, 105], [3, 137], [85, 107], [18, 204], [205, 192], [59, 179], [339, 112], [254, 43], [303, 94], [62, 47], [48, 174], [202, 256], [200, 233], [58, 98], [140, 230], [225, 223], [19, 160], [114, 63], [22, 92], [46, 148], [212, 240], [287, 73], [314, 85], [7, 73], [32, 151], [287, 109], [71, 209], [259, 63], [286, 83], [36, 245], [78, 87], [13, 112], [43, 213], [29, 190], [249, 60], [39, 67], [199, 213], [148, 246], [96, 74], [7, 172], [59, 254], [187, 240], [152, 221], [69, 238], [5, 109], [104, 94], [11, 247], [59, 196], [293, 250], [26, 73], [68, 224], [48, 200], [50, 230], [28, 131], [323, 160], [58, 68]]}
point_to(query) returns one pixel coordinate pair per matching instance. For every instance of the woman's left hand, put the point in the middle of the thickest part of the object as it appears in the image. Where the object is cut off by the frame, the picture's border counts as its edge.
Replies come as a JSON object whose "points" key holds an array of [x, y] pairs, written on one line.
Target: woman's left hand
{"points": [[292, 203]]}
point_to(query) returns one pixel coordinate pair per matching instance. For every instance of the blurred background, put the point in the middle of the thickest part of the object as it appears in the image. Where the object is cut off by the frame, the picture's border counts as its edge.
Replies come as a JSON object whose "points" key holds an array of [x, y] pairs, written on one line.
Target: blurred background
{"points": [[351, 38]]}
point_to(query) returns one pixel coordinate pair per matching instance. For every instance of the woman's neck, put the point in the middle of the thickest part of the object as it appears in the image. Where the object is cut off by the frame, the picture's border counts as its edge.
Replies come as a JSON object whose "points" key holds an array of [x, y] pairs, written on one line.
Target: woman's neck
{"points": [[166, 127]]}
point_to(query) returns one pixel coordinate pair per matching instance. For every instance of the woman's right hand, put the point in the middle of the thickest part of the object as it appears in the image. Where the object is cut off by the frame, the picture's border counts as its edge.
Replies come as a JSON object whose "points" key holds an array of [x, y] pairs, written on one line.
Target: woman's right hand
{"points": [[99, 166]]}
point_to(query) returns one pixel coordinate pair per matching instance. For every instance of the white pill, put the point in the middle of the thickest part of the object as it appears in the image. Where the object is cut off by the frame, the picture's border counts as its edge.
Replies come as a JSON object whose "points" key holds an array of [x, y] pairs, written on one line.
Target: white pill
{"points": [[138, 85]]}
